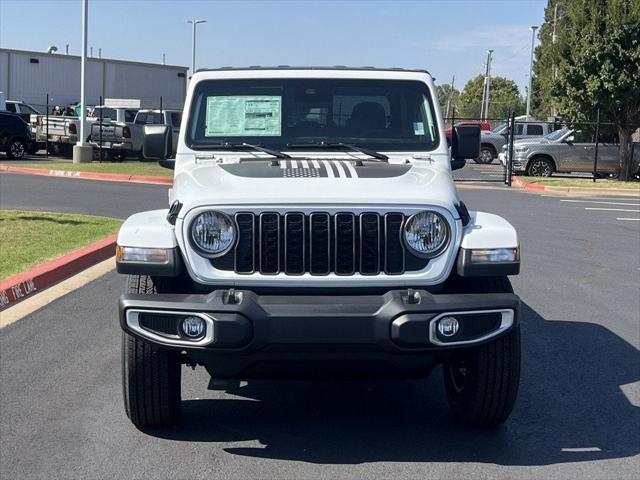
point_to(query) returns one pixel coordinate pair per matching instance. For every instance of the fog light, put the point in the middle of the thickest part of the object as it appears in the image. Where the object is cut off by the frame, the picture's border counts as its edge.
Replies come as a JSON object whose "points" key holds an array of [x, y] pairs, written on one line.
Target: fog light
{"points": [[193, 327], [448, 326]]}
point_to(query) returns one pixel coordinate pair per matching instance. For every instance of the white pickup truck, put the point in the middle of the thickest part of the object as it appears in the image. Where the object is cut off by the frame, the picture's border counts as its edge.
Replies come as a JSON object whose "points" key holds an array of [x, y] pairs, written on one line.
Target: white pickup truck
{"points": [[62, 131], [123, 139], [314, 229]]}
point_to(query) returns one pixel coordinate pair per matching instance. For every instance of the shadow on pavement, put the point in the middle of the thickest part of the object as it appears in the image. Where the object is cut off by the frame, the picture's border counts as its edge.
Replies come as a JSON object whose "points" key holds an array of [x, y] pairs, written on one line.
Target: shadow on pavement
{"points": [[570, 408]]}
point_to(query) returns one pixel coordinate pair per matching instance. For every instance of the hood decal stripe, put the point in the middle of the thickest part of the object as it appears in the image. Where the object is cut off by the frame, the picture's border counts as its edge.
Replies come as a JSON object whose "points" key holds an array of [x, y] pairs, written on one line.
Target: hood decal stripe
{"points": [[312, 168], [349, 167], [328, 169]]}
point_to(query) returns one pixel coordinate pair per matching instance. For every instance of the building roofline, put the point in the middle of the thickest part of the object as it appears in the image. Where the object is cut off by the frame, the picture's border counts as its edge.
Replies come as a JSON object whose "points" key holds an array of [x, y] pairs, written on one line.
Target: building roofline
{"points": [[94, 59], [312, 67]]}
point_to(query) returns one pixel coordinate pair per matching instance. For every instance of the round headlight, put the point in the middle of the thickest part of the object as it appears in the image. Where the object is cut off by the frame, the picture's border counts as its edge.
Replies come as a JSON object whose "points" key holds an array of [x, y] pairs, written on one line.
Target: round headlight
{"points": [[426, 233], [212, 233]]}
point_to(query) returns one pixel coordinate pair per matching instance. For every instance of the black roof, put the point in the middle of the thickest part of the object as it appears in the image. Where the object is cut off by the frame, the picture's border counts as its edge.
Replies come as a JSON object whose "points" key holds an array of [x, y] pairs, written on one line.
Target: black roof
{"points": [[332, 67]]}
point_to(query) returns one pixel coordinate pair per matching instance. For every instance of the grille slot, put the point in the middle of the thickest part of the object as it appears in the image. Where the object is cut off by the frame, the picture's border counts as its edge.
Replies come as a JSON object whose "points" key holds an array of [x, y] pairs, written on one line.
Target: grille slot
{"points": [[294, 244], [393, 248], [245, 248], [319, 243], [369, 243], [319, 250], [345, 243], [269, 243]]}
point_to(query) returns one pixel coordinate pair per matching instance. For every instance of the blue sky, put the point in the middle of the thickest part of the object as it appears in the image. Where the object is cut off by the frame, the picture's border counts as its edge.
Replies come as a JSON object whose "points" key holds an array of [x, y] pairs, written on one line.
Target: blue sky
{"points": [[446, 37]]}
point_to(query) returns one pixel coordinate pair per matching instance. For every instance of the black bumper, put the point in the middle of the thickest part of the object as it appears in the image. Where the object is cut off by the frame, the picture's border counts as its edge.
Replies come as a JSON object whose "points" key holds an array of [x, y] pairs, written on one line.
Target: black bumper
{"points": [[265, 336]]}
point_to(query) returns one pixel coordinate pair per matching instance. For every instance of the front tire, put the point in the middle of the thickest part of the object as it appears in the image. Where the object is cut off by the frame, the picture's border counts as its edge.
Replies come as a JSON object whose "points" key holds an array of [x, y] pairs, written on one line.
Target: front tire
{"points": [[482, 383], [17, 149], [487, 154], [151, 375], [539, 167]]}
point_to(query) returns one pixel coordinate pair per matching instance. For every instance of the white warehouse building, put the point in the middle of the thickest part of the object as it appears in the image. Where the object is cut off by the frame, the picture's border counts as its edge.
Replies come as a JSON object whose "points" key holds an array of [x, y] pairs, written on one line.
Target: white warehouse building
{"points": [[29, 76]]}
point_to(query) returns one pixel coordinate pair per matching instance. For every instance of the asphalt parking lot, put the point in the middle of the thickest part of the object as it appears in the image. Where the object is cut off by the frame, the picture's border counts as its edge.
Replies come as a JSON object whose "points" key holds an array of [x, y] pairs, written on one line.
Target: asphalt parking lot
{"points": [[577, 415]]}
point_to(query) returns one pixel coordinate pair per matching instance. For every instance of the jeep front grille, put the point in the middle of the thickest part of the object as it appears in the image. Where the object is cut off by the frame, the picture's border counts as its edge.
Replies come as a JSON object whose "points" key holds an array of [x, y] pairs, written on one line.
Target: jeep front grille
{"points": [[319, 243]]}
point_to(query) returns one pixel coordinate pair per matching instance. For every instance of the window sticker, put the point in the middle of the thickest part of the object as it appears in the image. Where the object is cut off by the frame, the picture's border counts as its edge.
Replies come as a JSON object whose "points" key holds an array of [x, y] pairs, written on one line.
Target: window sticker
{"points": [[418, 128], [243, 116]]}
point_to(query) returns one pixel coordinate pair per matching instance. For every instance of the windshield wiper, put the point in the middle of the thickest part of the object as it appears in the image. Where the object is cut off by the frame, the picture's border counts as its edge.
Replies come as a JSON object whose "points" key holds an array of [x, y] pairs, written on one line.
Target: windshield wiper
{"points": [[230, 145], [355, 148]]}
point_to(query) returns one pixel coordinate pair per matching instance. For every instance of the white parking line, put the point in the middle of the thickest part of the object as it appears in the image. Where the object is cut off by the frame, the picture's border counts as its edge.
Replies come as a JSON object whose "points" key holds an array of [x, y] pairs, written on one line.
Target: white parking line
{"points": [[628, 219], [613, 209], [603, 203]]}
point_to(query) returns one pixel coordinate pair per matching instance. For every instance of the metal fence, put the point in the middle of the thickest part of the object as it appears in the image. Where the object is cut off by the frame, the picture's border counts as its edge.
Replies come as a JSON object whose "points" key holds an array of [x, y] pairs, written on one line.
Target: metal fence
{"points": [[487, 167], [555, 147]]}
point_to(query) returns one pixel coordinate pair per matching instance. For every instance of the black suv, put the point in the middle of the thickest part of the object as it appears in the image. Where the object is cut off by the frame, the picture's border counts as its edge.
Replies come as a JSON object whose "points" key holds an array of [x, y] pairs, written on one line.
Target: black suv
{"points": [[15, 135]]}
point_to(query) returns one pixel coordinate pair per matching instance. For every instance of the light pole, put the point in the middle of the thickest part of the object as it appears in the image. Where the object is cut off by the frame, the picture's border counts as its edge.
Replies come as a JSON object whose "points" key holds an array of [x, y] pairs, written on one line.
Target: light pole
{"points": [[82, 152], [193, 44], [533, 29]]}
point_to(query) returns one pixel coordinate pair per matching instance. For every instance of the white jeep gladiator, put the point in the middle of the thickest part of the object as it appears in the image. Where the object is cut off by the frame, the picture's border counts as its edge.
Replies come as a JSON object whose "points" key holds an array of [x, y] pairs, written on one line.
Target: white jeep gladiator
{"points": [[314, 229]]}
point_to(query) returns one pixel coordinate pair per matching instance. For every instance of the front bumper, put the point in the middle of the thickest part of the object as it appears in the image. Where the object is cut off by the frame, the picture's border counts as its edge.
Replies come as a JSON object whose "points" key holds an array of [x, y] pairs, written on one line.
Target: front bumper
{"points": [[250, 335]]}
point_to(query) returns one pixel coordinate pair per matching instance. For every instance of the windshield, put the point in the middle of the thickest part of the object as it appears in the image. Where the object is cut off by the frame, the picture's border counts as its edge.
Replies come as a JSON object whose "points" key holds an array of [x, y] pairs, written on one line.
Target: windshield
{"points": [[557, 135], [275, 113], [500, 129], [27, 109]]}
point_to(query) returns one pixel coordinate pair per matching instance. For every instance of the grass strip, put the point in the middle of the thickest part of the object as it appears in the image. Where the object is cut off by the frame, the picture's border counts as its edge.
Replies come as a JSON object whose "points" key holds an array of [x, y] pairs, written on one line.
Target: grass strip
{"points": [[582, 183], [30, 238]]}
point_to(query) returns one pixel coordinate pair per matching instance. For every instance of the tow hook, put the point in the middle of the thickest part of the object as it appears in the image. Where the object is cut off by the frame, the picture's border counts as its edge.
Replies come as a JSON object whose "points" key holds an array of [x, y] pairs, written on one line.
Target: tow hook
{"points": [[231, 297], [413, 297]]}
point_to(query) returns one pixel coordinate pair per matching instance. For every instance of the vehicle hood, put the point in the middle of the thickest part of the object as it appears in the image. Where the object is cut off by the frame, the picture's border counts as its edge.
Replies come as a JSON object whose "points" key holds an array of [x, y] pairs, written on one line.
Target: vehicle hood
{"points": [[532, 141], [316, 181]]}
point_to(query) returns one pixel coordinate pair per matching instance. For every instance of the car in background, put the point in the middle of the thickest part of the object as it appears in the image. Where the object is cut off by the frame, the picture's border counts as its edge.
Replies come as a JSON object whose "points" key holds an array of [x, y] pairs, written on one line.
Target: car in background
{"points": [[15, 135], [483, 126], [491, 142], [29, 114], [568, 150], [123, 139]]}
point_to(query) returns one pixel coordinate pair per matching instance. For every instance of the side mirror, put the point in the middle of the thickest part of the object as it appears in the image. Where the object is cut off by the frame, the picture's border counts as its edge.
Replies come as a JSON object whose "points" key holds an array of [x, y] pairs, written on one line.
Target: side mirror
{"points": [[465, 143], [157, 142]]}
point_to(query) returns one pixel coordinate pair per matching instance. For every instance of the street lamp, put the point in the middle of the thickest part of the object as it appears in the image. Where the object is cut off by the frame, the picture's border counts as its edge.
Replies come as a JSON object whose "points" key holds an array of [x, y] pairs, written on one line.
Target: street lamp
{"points": [[533, 29], [193, 44]]}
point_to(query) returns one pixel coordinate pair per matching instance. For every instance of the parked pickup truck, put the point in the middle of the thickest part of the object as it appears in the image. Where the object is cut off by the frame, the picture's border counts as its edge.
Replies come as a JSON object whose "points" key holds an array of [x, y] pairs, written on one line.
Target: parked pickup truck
{"points": [[314, 229], [494, 140], [568, 150], [63, 130], [125, 139], [60, 131]]}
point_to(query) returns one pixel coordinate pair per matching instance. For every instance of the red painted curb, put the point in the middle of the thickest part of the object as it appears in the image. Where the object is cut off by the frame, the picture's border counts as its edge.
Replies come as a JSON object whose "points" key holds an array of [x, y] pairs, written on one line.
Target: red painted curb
{"points": [[18, 287], [105, 177], [526, 185]]}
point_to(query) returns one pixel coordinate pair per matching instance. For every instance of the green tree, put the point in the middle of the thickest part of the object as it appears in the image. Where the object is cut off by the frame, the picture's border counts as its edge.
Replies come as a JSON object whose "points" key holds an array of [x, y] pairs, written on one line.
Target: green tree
{"points": [[543, 103], [597, 53], [504, 96], [447, 96]]}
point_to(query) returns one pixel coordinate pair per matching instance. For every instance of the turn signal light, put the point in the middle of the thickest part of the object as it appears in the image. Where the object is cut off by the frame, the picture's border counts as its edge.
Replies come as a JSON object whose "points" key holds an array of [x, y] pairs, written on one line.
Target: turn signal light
{"points": [[144, 255], [496, 255]]}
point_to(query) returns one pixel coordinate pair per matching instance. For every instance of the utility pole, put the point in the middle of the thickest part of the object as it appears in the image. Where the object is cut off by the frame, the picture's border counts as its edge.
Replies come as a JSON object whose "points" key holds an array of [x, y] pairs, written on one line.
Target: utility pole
{"points": [[533, 29], [484, 108], [450, 97], [194, 23]]}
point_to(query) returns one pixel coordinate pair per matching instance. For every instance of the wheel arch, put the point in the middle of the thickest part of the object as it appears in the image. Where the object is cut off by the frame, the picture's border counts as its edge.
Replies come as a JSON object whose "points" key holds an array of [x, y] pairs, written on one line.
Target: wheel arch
{"points": [[491, 146]]}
